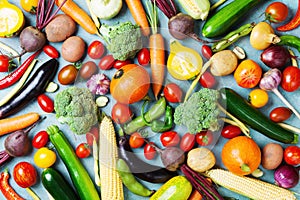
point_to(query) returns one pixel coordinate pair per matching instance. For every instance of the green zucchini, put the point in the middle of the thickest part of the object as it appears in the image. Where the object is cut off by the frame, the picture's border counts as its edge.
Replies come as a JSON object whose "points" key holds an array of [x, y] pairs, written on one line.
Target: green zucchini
{"points": [[246, 113], [57, 185], [219, 23]]}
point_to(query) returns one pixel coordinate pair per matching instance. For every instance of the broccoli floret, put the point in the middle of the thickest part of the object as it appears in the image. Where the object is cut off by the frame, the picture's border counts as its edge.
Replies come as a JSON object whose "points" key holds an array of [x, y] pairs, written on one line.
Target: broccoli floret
{"points": [[199, 112], [123, 40], [76, 107]]}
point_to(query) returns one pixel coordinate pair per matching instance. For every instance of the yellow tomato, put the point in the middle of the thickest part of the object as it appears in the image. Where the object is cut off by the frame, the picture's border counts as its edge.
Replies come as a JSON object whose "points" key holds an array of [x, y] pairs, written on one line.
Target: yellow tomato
{"points": [[258, 98], [44, 157], [29, 5]]}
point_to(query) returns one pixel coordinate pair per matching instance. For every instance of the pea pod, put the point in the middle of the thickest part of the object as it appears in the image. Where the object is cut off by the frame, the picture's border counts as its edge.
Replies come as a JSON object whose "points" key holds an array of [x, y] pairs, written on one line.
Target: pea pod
{"points": [[130, 181], [232, 37], [291, 41]]}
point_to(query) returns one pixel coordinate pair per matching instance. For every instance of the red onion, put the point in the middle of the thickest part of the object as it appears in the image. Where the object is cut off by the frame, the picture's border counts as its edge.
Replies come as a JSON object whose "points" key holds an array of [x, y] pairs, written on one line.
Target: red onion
{"points": [[275, 56], [286, 176]]}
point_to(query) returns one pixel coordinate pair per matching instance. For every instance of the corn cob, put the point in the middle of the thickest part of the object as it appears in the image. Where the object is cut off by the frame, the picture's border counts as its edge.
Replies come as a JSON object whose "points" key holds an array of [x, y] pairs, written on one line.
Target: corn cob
{"points": [[111, 184], [249, 187]]}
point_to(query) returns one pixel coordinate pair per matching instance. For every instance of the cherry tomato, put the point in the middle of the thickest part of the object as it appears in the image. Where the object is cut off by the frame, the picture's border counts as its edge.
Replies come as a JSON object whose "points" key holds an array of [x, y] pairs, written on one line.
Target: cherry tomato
{"points": [[149, 151], [91, 135], [290, 79], [143, 56], [258, 97], [88, 69], [45, 103], [40, 139], [173, 93], [204, 138], [169, 138], [107, 62], [83, 150], [25, 174], [247, 74], [51, 51], [121, 113], [276, 12], [206, 52], [120, 63], [207, 80], [291, 155], [187, 142], [231, 131], [136, 140], [29, 5], [67, 74], [4, 63], [280, 114], [44, 157], [96, 49]]}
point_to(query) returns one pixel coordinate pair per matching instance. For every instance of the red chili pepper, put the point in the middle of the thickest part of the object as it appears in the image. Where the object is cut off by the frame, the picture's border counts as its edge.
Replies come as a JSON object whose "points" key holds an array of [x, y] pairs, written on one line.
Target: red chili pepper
{"points": [[6, 189], [294, 23], [13, 77]]}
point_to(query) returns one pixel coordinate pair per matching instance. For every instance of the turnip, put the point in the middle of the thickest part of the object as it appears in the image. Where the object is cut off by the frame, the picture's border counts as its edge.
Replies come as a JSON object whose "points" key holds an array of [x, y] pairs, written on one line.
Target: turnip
{"points": [[33, 38]]}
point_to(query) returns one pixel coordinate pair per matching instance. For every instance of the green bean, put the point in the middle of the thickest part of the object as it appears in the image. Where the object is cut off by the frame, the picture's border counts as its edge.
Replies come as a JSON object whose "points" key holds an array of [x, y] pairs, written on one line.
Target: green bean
{"points": [[232, 37], [130, 181]]}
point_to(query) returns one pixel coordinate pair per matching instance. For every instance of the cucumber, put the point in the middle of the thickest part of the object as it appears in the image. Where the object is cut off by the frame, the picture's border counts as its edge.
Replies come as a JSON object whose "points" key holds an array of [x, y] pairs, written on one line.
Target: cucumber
{"points": [[57, 186], [246, 113], [219, 23], [106, 9], [176, 188]]}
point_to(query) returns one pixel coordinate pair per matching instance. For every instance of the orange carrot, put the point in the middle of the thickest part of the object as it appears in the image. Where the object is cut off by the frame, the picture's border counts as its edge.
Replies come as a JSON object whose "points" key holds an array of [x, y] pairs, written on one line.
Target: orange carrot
{"points": [[157, 62], [195, 195], [78, 15], [139, 15], [12, 124]]}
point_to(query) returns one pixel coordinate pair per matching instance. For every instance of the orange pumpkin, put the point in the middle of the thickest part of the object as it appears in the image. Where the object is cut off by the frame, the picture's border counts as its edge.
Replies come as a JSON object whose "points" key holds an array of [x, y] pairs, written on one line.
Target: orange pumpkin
{"points": [[130, 84], [241, 155]]}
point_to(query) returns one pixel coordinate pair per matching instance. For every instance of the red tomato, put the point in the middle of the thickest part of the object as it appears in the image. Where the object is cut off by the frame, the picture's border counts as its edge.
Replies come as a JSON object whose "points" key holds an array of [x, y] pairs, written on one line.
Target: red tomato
{"points": [[230, 131], [247, 74], [120, 63], [25, 174], [40, 139], [187, 142], [67, 74], [107, 62], [83, 150], [206, 52], [149, 151], [121, 113], [277, 12], [4, 63], [291, 155], [51, 51], [143, 56], [207, 80], [45, 103], [290, 78], [93, 133], [204, 138], [173, 93], [136, 140], [280, 114], [96, 49], [169, 138]]}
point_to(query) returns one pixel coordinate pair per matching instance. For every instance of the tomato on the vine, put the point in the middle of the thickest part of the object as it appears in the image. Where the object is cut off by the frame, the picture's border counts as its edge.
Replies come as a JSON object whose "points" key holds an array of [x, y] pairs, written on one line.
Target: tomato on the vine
{"points": [[83, 150], [45, 103], [276, 12], [40, 139], [25, 175], [204, 138], [231, 131], [143, 56], [96, 49], [149, 151], [44, 157], [173, 93], [169, 138], [5, 63], [121, 113], [291, 155], [290, 79], [187, 142], [136, 140]]}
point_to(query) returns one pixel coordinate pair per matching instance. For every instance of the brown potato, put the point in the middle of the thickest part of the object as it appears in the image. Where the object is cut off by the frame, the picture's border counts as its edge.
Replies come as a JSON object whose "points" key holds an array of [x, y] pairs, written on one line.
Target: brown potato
{"points": [[272, 155], [60, 28], [201, 159], [223, 63], [73, 49]]}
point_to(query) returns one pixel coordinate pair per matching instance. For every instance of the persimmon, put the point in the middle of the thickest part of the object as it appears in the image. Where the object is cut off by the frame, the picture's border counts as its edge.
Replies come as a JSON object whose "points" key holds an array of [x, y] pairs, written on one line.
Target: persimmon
{"points": [[130, 84], [241, 155]]}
